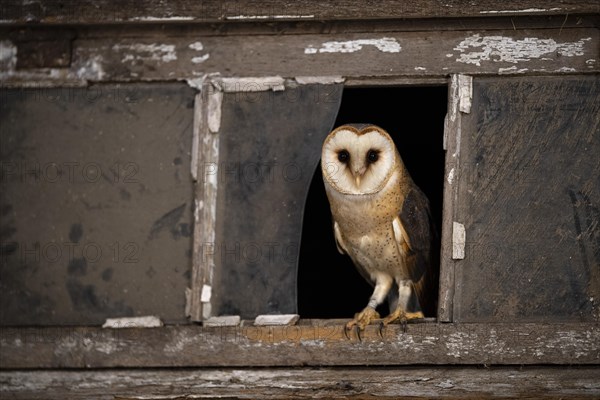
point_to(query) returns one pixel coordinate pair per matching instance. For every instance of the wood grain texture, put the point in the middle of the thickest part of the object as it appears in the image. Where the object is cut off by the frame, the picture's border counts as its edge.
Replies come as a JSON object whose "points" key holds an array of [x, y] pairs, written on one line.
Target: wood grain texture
{"points": [[452, 132], [529, 198], [318, 343], [186, 11], [206, 140], [300, 383], [392, 55]]}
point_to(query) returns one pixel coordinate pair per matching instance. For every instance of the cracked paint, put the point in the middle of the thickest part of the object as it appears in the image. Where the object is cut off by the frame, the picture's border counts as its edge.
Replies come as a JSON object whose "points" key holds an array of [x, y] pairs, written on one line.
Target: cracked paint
{"points": [[385, 45], [476, 48], [146, 52]]}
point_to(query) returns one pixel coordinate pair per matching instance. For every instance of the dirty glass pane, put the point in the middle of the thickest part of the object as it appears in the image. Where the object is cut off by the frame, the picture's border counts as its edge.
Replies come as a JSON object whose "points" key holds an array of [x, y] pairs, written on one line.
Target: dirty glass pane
{"points": [[270, 145], [96, 203], [530, 200]]}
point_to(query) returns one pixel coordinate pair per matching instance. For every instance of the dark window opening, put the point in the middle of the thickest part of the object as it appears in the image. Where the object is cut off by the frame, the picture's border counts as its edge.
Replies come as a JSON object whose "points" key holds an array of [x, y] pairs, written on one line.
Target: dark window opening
{"points": [[329, 286]]}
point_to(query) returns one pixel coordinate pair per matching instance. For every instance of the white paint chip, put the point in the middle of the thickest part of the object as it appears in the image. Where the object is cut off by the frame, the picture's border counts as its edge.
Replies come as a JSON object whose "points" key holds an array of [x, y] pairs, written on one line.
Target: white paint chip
{"points": [[465, 93], [512, 70], [527, 10], [271, 320], [206, 294], [146, 52], [450, 178], [323, 80], [215, 98], [200, 59], [261, 17], [476, 49], [161, 19], [225, 320], [250, 84], [149, 321], [458, 241], [196, 46], [385, 45]]}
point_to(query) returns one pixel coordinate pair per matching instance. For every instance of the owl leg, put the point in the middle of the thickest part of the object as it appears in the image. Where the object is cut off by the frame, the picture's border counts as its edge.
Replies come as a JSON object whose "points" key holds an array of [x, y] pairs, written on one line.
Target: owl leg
{"points": [[368, 314], [405, 291]]}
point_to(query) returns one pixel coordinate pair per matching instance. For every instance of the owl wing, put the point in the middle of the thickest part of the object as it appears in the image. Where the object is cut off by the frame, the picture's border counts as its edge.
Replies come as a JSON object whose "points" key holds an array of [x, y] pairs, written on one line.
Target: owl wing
{"points": [[339, 241], [414, 233]]}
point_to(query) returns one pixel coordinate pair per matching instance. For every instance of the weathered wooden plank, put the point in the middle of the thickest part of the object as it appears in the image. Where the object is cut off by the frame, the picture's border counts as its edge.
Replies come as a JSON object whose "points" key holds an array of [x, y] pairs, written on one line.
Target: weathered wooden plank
{"points": [[452, 132], [349, 383], [528, 195], [186, 11], [433, 54], [207, 120], [319, 343]]}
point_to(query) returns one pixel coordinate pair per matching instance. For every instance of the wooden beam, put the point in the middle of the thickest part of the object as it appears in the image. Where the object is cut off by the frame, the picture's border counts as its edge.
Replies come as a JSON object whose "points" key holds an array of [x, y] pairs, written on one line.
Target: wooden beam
{"points": [[211, 11], [390, 55], [315, 343], [348, 383]]}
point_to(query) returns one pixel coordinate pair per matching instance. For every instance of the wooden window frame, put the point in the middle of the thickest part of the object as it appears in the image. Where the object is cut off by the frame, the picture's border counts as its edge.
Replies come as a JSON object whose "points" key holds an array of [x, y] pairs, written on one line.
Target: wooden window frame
{"points": [[310, 342]]}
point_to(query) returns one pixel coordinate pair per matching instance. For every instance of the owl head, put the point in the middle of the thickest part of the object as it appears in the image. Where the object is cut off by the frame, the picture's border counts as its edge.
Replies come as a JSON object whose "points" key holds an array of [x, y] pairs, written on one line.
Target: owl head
{"points": [[358, 159]]}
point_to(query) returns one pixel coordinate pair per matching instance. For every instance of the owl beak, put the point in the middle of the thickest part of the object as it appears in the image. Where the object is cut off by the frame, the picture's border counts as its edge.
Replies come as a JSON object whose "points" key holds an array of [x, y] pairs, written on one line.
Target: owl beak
{"points": [[357, 179]]}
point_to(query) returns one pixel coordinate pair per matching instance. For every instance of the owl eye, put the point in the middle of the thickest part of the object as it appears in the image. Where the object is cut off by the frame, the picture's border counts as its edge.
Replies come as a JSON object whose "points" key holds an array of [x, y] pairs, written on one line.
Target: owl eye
{"points": [[343, 156], [372, 156]]}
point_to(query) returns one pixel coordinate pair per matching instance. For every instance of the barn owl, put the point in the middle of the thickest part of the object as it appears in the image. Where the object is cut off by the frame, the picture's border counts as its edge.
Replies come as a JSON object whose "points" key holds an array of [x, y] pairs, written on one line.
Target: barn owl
{"points": [[381, 219]]}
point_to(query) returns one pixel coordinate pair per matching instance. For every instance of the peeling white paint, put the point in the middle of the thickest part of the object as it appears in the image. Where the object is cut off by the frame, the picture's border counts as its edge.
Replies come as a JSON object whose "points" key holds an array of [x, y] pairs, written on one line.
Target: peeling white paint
{"points": [[92, 69], [527, 10], [260, 17], [215, 99], [465, 93], [456, 343], [323, 80], [250, 84], [459, 239], [276, 320], [507, 49], [224, 320], [196, 138], [200, 59], [512, 70], [565, 69], [149, 321], [146, 52], [420, 69], [385, 45], [450, 178], [206, 293], [161, 19], [196, 46]]}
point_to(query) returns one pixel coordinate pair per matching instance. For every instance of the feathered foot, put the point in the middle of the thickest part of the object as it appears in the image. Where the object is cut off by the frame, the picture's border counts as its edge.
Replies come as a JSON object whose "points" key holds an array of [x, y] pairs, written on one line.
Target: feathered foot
{"points": [[403, 316], [361, 320]]}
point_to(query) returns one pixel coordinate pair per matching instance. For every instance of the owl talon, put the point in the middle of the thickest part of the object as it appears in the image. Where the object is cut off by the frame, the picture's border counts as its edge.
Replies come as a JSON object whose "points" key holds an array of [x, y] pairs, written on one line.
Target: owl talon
{"points": [[358, 330], [380, 330], [346, 332], [404, 324]]}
